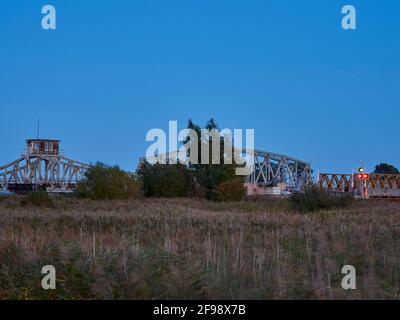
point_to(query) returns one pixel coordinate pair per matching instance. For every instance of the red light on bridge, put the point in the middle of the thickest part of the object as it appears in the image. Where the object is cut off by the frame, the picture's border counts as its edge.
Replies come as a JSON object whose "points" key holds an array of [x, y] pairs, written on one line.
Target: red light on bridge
{"points": [[362, 176]]}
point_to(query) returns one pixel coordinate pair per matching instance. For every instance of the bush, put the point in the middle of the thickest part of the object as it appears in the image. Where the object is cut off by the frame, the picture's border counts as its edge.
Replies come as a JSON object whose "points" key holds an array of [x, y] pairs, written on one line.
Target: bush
{"points": [[161, 180], [37, 199], [314, 199], [211, 176], [103, 182], [231, 190]]}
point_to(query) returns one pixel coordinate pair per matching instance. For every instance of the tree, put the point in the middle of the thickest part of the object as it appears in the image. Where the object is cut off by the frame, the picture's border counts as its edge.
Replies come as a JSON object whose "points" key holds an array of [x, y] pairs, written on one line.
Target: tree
{"points": [[210, 176], [385, 168]]}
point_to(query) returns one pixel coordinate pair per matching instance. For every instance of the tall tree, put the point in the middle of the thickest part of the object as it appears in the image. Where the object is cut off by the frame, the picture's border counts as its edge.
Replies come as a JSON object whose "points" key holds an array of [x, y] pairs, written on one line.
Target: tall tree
{"points": [[210, 175]]}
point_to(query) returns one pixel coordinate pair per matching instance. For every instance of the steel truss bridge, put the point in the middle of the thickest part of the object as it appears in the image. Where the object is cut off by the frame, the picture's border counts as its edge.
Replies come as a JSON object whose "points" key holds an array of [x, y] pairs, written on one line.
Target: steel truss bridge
{"points": [[53, 173], [273, 168], [377, 185]]}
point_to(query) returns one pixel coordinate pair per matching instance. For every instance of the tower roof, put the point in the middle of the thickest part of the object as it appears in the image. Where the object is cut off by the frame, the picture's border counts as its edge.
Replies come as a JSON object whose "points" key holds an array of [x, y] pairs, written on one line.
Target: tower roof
{"points": [[38, 140]]}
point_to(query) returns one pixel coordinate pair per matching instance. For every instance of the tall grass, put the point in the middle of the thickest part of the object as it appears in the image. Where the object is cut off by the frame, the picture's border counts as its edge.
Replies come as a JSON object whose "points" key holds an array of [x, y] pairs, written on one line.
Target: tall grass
{"points": [[191, 249], [38, 199]]}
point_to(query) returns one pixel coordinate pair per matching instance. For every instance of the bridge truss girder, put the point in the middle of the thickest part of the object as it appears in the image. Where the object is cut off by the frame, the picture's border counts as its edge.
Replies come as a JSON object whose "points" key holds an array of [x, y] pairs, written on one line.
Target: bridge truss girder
{"points": [[378, 185], [272, 168], [54, 172]]}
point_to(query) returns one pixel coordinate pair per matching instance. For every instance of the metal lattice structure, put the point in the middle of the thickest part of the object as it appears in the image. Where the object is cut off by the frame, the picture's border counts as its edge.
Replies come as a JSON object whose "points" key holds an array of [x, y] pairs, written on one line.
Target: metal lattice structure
{"points": [[377, 185], [384, 181], [272, 168], [48, 172], [384, 185], [341, 182]]}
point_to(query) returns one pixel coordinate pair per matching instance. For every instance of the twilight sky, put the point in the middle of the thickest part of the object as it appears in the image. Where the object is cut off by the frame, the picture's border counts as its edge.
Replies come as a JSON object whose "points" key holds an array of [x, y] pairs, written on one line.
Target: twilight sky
{"points": [[112, 70]]}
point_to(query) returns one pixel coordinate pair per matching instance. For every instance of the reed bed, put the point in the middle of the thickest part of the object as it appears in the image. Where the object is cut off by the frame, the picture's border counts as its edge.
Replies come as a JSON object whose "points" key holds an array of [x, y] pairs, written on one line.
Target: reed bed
{"points": [[195, 249]]}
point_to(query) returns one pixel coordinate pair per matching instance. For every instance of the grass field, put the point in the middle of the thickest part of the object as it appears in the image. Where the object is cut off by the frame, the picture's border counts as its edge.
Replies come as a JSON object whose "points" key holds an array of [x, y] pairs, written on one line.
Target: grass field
{"points": [[188, 249]]}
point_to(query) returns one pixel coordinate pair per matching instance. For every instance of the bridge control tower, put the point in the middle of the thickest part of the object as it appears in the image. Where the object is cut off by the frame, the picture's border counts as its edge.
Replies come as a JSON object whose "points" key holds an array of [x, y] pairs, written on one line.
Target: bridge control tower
{"points": [[43, 147]]}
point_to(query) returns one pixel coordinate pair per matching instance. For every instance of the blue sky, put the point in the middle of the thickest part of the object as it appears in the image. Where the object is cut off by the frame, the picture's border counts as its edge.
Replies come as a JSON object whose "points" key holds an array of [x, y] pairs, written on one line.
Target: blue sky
{"points": [[115, 69]]}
